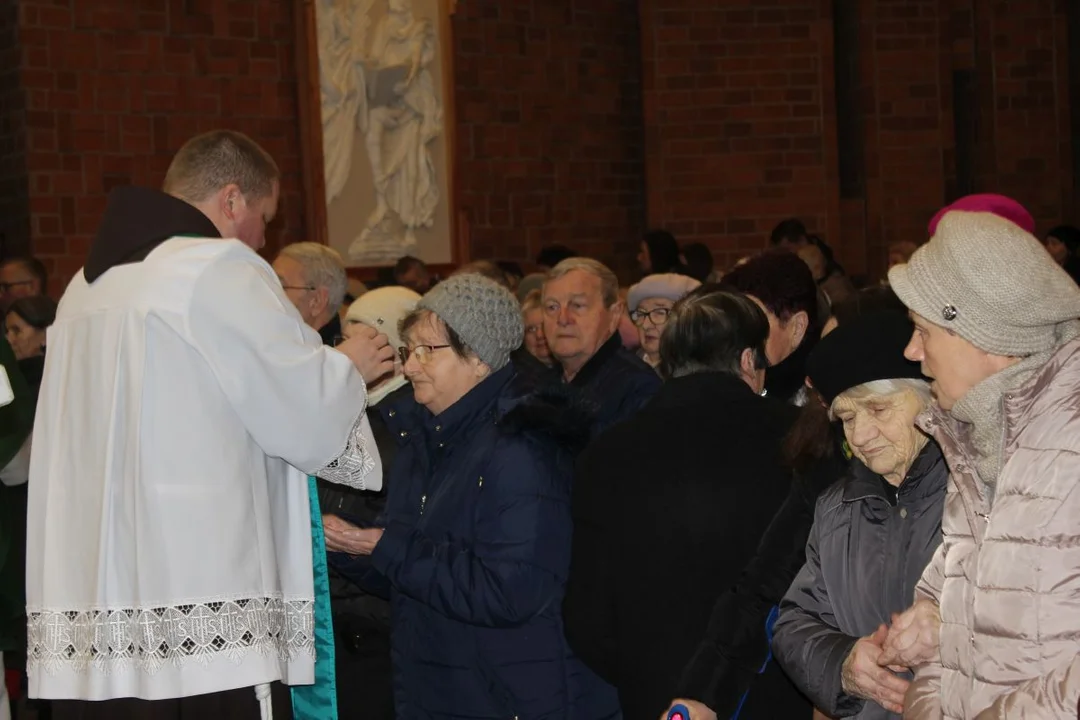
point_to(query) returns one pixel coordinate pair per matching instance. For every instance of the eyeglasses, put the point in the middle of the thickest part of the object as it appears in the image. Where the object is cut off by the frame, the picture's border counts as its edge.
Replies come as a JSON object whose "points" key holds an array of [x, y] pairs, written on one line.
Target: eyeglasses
{"points": [[658, 316], [422, 353], [293, 287], [6, 287]]}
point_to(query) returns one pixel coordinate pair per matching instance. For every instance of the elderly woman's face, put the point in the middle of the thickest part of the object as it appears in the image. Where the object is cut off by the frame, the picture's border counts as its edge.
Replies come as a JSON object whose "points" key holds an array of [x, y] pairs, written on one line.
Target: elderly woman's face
{"points": [[880, 429], [535, 343], [439, 377], [651, 323]]}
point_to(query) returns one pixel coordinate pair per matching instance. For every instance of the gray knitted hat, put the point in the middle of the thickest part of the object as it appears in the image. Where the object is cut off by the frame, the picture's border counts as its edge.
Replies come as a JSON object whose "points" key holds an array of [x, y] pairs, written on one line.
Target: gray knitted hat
{"points": [[482, 312], [991, 282]]}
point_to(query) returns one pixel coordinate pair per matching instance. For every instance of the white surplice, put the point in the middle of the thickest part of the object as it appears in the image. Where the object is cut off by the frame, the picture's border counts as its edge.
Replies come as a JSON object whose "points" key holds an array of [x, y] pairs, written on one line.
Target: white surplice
{"points": [[183, 403]]}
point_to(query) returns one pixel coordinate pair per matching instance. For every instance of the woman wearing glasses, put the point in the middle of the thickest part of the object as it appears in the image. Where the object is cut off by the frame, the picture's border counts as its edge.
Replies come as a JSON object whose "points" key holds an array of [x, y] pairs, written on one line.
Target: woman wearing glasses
{"points": [[474, 544], [650, 301]]}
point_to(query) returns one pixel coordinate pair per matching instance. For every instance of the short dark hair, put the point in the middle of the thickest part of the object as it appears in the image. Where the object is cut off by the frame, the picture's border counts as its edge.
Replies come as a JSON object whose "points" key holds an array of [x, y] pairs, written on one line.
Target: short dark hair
{"points": [[511, 268], [208, 162], [781, 281], [457, 345], [35, 267], [552, 255], [708, 330], [866, 301], [663, 251], [699, 261], [791, 229], [37, 311], [407, 263]]}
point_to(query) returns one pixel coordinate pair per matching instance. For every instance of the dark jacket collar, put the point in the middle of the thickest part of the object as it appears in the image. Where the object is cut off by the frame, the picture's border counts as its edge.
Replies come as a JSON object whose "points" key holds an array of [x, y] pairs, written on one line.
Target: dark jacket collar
{"points": [[786, 378], [136, 221], [717, 388], [462, 414], [593, 365], [926, 478]]}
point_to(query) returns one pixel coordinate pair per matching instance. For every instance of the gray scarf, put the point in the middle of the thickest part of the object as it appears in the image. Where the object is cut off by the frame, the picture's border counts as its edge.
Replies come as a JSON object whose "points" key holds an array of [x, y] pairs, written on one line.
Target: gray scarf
{"points": [[983, 408]]}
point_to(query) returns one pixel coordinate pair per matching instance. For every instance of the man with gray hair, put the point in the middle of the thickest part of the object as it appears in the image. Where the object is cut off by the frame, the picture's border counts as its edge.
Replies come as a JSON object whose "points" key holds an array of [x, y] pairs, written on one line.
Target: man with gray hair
{"points": [[581, 316], [172, 534], [314, 279]]}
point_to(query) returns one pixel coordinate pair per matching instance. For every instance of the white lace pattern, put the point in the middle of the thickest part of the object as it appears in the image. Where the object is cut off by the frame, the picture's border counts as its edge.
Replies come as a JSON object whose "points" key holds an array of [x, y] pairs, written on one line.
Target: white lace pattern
{"points": [[151, 637], [354, 464]]}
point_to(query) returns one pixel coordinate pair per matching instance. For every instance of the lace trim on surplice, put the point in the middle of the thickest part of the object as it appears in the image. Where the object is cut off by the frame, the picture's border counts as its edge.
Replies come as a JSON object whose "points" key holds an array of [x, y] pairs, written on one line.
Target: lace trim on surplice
{"points": [[150, 637], [352, 467]]}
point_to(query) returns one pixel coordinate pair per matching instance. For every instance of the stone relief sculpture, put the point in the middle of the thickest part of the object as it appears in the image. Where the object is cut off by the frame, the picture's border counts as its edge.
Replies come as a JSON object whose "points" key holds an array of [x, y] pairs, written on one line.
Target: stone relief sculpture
{"points": [[384, 88]]}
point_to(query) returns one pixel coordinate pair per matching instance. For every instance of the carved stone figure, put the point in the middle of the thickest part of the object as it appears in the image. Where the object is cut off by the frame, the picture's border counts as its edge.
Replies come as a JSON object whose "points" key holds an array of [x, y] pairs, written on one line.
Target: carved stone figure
{"points": [[385, 89]]}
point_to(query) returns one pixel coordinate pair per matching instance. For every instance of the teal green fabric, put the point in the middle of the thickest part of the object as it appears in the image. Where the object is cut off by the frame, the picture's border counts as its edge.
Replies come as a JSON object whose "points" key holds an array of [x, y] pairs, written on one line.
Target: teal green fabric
{"points": [[319, 701]]}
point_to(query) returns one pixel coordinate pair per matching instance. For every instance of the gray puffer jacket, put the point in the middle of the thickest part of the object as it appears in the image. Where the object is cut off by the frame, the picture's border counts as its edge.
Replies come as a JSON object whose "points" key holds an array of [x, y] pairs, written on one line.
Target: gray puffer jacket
{"points": [[863, 559]]}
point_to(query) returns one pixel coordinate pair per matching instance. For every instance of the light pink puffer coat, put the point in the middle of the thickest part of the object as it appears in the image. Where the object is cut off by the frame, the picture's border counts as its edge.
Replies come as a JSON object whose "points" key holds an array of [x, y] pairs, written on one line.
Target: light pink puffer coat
{"points": [[1008, 580]]}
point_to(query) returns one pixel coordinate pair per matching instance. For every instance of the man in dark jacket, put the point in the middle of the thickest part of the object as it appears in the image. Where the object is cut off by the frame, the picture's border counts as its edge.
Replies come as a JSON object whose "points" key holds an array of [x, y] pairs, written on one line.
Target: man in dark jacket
{"points": [[581, 318], [669, 506]]}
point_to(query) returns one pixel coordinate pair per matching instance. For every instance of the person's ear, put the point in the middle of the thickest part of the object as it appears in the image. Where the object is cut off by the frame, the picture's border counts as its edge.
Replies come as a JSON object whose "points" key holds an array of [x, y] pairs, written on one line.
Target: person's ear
{"points": [[320, 299], [801, 323], [747, 364], [230, 201], [617, 310]]}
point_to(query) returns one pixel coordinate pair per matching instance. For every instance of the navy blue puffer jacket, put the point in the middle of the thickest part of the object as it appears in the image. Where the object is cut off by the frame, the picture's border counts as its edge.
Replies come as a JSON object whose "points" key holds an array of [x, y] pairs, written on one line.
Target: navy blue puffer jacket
{"points": [[476, 550]]}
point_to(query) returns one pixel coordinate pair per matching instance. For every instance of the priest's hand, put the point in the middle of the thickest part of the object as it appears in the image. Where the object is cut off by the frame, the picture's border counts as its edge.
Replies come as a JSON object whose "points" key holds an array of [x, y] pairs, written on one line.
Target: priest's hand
{"points": [[343, 536], [369, 351]]}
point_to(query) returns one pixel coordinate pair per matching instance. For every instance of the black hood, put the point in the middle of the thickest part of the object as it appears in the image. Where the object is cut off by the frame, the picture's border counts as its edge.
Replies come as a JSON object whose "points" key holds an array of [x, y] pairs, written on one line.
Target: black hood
{"points": [[136, 221]]}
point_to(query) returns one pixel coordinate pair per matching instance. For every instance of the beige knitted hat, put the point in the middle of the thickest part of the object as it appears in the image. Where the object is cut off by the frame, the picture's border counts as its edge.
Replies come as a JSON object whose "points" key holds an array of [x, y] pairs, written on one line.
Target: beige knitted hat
{"points": [[991, 282]]}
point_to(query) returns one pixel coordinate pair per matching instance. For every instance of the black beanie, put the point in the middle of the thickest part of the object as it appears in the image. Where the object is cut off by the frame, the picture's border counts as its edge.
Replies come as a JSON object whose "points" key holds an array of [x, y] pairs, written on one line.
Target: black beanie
{"points": [[870, 347]]}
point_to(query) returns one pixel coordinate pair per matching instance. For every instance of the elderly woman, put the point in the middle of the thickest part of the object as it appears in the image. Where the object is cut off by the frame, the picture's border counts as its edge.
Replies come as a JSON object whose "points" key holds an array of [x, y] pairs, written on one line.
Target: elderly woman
{"points": [[532, 313], [650, 302], [874, 531], [475, 540], [361, 619]]}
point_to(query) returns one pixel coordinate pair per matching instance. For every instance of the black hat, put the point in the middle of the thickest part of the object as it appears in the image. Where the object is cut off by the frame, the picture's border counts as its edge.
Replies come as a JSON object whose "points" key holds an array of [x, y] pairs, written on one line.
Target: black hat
{"points": [[870, 347]]}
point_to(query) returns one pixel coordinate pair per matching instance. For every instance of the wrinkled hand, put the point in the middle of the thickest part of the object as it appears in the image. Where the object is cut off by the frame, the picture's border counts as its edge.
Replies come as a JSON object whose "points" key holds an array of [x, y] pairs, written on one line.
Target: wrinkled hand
{"points": [[915, 636], [863, 676], [697, 710], [343, 536], [370, 352]]}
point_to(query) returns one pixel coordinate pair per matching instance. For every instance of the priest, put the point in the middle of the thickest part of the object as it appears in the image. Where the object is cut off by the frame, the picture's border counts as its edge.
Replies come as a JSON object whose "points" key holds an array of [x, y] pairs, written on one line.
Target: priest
{"points": [[183, 406]]}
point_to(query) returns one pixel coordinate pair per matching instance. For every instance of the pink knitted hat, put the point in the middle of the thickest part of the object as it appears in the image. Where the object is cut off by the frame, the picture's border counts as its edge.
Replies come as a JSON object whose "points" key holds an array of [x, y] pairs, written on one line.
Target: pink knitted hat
{"points": [[1003, 207]]}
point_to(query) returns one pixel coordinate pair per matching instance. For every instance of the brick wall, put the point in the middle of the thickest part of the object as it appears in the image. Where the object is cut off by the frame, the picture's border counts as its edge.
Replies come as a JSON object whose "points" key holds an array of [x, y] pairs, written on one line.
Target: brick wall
{"points": [[549, 137], [577, 122], [741, 116], [738, 118], [14, 206], [1029, 140], [112, 91]]}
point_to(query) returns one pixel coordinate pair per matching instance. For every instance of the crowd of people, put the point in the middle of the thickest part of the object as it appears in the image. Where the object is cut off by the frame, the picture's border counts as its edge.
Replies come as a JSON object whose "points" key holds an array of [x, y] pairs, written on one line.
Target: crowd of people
{"points": [[758, 492]]}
